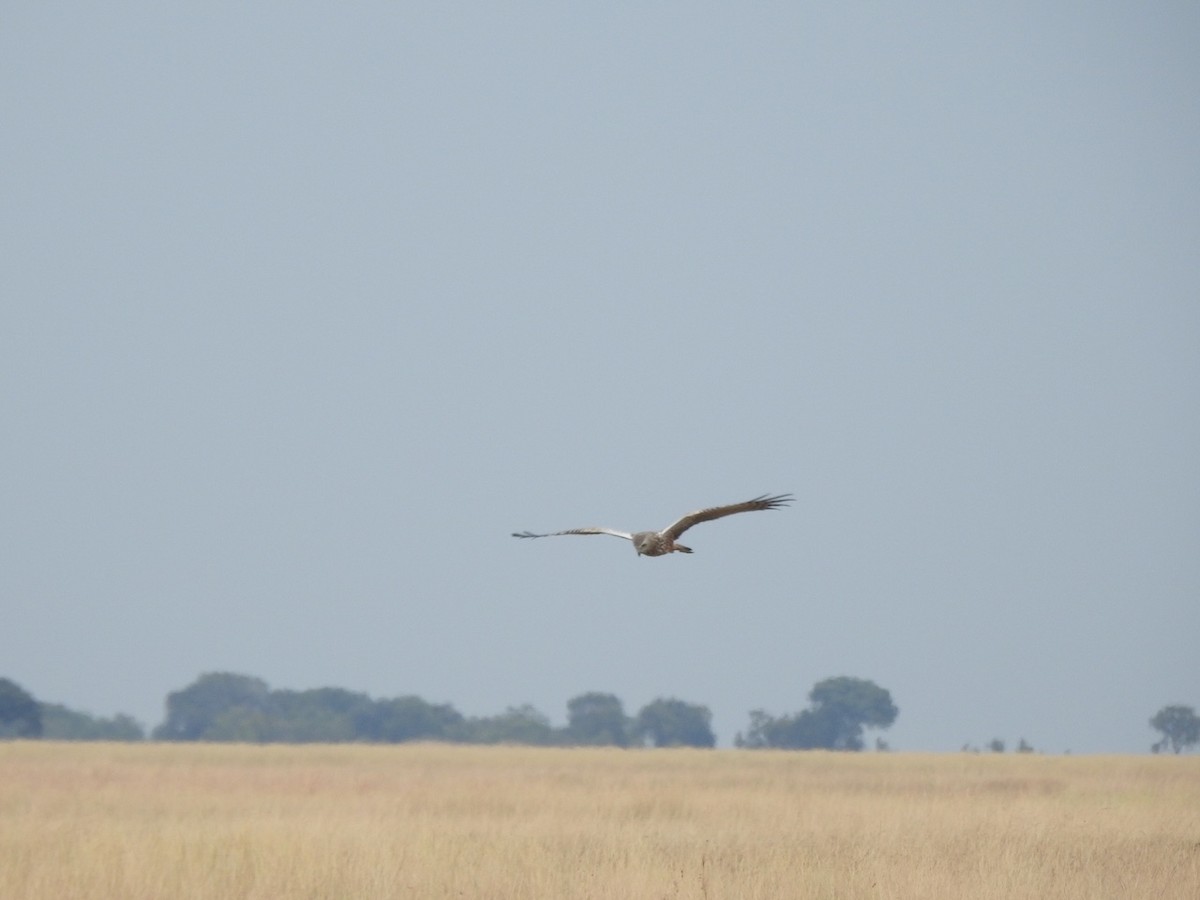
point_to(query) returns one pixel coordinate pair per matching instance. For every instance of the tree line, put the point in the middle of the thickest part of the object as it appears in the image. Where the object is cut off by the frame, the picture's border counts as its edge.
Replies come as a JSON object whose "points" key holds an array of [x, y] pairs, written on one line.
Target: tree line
{"points": [[225, 706]]}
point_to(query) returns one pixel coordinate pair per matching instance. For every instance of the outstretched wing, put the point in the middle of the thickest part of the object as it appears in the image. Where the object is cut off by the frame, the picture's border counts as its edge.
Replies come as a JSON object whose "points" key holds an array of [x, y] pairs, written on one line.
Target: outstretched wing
{"points": [[614, 533], [678, 527]]}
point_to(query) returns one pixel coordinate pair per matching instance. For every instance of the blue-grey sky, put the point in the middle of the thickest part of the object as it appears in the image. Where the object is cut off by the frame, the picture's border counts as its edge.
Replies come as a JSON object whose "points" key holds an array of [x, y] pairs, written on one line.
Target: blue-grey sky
{"points": [[305, 308]]}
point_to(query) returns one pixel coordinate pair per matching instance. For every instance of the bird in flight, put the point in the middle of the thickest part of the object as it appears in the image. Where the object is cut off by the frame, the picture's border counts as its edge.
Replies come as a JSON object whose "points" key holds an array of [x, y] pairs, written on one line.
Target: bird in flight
{"points": [[660, 543]]}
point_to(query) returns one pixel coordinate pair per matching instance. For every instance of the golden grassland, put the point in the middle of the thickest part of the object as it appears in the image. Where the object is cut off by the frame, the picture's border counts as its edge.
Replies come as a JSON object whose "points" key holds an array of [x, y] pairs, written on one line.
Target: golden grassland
{"points": [[135, 821]]}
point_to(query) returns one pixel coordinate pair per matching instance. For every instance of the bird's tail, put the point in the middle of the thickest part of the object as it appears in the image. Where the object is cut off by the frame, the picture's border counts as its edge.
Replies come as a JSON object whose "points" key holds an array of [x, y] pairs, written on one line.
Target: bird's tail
{"points": [[679, 548]]}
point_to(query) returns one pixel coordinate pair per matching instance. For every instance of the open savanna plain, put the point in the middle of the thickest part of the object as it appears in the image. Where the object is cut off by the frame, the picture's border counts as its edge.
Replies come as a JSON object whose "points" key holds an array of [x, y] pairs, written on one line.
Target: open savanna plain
{"points": [[134, 821]]}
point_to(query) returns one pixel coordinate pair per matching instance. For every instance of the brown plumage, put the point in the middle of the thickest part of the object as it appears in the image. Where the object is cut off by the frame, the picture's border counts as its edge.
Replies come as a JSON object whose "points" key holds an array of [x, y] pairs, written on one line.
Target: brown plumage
{"points": [[660, 543]]}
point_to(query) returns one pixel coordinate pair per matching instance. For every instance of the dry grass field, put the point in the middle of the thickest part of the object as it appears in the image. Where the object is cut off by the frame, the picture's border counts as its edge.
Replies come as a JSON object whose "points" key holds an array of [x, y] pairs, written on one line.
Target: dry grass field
{"points": [[134, 822]]}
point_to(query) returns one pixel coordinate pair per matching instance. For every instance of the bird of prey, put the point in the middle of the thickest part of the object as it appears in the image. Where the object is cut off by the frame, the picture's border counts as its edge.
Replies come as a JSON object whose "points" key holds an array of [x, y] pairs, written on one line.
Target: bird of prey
{"points": [[660, 543]]}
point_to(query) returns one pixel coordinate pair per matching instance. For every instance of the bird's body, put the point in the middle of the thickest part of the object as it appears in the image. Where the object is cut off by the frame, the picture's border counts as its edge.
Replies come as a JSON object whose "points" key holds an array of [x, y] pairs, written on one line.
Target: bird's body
{"points": [[660, 543]]}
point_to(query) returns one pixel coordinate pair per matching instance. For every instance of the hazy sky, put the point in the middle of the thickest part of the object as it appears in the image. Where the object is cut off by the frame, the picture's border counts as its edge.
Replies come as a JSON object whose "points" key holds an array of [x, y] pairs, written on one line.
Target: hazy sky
{"points": [[305, 308]]}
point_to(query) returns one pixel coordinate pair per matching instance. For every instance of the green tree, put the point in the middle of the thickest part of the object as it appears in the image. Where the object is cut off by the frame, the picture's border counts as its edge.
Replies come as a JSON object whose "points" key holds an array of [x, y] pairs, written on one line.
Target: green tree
{"points": [[242, 725], [409, 719], [62, 724], [597, 719], [674, 723], [325, 715], [516, 725], [194, 711], [1180, 728], [840, 708], [809, 729], [852, 704], [20, 714], [757, 735]]}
